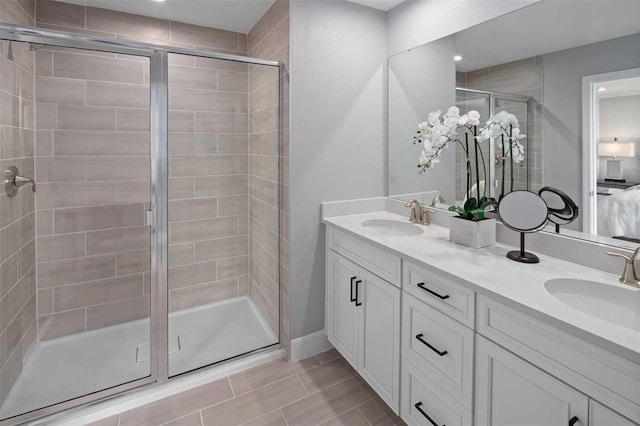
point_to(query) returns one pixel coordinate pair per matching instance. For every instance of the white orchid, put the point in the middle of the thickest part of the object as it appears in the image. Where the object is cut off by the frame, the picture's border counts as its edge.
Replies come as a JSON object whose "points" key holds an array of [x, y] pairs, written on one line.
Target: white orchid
{"points": [[517, 152], [452, 118], [473, 118]]}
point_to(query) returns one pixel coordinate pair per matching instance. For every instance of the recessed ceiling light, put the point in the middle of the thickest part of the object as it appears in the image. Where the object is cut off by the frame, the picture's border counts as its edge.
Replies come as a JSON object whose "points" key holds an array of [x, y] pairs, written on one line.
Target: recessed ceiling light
{"points": [[602, 89], [457, 58]]}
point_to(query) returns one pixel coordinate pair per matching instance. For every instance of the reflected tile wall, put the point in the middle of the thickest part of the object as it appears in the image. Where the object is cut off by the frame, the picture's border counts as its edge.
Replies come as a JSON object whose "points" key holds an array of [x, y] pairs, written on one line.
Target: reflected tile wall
{"points": [[522, 77], [17, 216]]}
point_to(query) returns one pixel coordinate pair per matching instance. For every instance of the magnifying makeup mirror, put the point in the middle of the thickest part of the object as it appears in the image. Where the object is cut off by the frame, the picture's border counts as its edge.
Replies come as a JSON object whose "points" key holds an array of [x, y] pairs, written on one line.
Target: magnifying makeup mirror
{"points": [[562, 209], [524, 212]]}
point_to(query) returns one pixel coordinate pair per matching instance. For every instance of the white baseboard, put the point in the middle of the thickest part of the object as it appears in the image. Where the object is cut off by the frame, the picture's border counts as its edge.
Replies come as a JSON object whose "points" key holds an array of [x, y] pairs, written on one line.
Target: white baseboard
{"points": [[309, 345]]}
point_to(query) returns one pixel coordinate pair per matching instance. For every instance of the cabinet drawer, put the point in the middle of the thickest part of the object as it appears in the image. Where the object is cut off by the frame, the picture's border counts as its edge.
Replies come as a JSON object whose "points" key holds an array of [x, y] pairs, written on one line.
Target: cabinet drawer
{"points": [[443, 294], [603, 375], [423, 403], [385, 265], [428, 334]]}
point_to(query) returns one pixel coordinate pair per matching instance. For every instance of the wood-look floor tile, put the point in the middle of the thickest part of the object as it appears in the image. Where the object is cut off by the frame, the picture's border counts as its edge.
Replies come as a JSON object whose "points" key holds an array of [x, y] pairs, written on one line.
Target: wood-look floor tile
{"points": [[192, 419], [273, 418], [352, 417], [378, 413], [329, 355], [108, 421], [328, 403], [176, 406], [254, 404], [264, 374], [325, 375]]}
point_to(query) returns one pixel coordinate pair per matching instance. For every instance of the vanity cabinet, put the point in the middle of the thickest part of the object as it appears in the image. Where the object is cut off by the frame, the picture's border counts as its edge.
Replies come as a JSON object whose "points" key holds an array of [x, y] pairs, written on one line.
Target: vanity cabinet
{"points": [[363, 324], [453, 356], [512, 392]]}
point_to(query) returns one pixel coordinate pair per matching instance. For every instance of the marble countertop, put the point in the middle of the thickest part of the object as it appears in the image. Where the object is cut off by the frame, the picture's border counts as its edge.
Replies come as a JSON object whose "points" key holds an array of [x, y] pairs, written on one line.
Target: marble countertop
{"points": [[488, 271]]}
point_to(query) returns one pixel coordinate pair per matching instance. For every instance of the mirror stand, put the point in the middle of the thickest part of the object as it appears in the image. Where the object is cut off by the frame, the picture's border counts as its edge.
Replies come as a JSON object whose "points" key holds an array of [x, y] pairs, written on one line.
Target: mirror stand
{"points": [[522, 255]]}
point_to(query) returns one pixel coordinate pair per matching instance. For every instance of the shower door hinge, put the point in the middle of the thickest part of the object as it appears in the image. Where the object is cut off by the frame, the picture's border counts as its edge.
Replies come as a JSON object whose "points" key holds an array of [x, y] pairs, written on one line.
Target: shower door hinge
{"points": [[149, 218]]}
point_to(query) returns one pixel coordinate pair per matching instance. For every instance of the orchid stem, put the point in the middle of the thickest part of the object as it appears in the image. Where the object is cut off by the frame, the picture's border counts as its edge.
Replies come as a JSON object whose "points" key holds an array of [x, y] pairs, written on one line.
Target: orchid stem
{"points": [[475, 144]]}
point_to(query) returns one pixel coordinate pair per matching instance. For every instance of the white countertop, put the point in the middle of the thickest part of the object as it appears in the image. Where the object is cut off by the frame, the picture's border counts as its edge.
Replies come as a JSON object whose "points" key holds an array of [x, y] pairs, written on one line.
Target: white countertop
{"points": [[488, 271]]}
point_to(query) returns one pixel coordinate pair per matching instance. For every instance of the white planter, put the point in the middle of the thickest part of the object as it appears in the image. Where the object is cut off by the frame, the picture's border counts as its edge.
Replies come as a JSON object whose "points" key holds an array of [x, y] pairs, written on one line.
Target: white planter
{"points": [[472, 234]]}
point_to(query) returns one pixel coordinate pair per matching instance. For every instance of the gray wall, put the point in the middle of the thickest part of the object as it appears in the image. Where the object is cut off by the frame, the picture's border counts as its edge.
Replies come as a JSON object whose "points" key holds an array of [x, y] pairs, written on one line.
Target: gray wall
{"points": [[338, 115], [411, 98], [619, 117], [416, 22], [337, 133], [562, 126]]}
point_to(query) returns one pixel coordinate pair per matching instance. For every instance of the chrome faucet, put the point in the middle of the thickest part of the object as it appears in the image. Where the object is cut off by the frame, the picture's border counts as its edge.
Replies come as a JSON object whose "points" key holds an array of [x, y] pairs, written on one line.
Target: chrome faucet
{"points": [[418, 214], [629, 275]]}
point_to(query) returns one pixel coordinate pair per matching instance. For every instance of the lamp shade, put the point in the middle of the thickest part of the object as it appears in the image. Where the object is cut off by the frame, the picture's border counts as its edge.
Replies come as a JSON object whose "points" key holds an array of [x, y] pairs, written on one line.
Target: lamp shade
{"points": [[615, 149]]}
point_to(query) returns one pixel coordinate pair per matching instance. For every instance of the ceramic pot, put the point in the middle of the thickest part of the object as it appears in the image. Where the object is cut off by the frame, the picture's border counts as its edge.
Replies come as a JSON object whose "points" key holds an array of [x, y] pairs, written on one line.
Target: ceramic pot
{"points": [[474, 234]]}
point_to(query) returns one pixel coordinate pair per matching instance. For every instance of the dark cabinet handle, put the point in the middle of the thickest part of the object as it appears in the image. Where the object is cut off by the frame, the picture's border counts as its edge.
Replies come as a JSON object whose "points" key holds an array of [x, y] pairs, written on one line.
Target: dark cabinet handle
{"points": [[441, 297], [419, 337], [573, 420], [357, 296], [351, 298], [418, 406]]}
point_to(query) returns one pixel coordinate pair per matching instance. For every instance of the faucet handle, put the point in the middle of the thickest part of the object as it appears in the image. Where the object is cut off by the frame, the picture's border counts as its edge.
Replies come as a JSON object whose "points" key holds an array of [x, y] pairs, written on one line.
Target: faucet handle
{"points": [[629, 276]]}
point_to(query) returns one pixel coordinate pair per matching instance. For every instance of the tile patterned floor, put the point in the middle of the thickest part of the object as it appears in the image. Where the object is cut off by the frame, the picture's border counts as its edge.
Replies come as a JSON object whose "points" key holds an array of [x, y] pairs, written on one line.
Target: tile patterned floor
{"points": [[320, 390]]}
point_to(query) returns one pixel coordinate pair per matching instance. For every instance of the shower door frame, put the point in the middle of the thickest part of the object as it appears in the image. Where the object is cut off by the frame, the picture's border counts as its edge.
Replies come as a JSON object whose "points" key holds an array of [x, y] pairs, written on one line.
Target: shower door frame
{"points": [[157, 217], [493, 97]]}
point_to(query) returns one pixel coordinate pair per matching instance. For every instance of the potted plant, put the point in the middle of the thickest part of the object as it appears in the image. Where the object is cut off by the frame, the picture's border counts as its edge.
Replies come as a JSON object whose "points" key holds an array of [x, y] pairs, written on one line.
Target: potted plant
{"points": [[471, 227]]}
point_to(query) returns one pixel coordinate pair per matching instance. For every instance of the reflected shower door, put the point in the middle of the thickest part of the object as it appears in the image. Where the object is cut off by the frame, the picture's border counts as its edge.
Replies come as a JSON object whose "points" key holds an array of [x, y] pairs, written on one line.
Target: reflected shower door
{"points": [[517, 176], [75, 312], [223, 249], [466, 101]]}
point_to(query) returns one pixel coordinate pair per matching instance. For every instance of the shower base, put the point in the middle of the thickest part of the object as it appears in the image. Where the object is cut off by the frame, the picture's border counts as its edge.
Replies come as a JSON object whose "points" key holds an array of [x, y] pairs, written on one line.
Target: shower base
{"points": [[77, 365]]}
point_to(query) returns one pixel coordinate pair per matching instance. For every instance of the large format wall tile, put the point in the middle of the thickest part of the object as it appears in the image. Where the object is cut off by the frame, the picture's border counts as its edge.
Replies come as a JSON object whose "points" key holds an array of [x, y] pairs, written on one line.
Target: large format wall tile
{"points": [[18, 306]]}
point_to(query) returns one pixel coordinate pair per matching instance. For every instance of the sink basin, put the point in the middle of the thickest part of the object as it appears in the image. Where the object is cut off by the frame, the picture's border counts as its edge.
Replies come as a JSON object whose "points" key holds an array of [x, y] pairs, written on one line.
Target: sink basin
{"points": [[392, 227], [616, 305]]}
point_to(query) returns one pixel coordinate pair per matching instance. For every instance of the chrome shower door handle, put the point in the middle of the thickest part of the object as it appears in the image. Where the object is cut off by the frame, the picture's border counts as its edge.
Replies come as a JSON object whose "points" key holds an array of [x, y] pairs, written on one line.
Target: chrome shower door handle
{"points": [[13, 181]]}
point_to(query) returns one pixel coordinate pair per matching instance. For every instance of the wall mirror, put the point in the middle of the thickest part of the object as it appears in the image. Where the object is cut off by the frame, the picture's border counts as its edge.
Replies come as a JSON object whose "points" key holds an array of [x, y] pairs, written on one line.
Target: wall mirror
{"points": [[574, 89]]}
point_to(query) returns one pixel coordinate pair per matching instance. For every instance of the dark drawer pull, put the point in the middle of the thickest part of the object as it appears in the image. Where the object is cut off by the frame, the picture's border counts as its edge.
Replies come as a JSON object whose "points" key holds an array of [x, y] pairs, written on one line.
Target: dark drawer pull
{"points": [[418, 405], [357, 295], [445, 297], [573, 420], [352, 298], [419, 337]]}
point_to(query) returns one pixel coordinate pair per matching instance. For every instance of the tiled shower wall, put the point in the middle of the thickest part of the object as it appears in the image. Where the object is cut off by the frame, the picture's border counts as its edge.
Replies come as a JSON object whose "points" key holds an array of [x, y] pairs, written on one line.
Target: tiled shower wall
{"points": [[208, 183], [17, 217], [522, 77], [269, 39]]}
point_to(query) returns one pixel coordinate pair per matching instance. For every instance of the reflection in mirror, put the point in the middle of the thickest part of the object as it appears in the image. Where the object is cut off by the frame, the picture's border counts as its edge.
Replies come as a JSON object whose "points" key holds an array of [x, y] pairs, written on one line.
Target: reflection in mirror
{"points": [[539, 78]]}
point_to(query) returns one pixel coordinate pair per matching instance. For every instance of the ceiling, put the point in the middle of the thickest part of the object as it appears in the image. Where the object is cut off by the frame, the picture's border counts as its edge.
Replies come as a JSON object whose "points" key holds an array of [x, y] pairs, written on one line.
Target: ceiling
{"points": [[384, 5], [232, 15], [545, 27], [616, 88]]}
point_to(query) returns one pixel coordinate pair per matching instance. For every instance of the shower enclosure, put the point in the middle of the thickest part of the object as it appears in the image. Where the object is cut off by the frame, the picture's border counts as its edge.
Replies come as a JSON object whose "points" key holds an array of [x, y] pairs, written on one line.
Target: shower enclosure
{"points": [[143, 241], [488, 103]]}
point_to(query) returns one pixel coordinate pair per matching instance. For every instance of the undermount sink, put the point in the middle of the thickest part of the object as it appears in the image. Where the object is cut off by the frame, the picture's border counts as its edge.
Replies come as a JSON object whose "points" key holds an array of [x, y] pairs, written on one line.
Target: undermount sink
{"points": [[617, 305], [392, 227]]}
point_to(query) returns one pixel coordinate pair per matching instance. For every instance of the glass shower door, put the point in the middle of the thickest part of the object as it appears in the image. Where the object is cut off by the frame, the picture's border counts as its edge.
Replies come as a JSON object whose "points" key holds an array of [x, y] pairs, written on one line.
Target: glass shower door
{"points": [[223, 251], [75, 289]]}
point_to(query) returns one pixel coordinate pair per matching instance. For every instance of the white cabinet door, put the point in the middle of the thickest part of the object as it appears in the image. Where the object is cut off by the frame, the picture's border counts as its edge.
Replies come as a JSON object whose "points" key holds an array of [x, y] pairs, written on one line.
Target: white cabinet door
{"points": [[512, 392], [378, 305], [342, 317], [599, 415]]}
